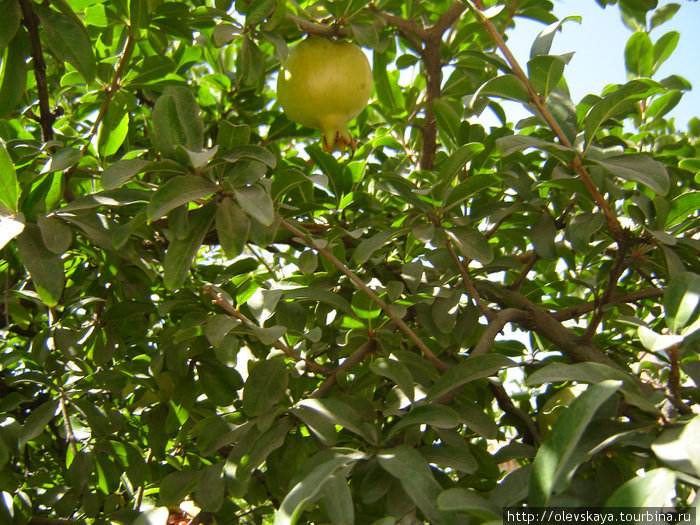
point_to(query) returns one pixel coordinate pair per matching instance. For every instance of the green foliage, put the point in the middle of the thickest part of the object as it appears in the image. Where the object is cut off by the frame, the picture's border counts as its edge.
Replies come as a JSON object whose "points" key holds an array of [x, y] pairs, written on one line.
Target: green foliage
{"points": [[203, 309]]}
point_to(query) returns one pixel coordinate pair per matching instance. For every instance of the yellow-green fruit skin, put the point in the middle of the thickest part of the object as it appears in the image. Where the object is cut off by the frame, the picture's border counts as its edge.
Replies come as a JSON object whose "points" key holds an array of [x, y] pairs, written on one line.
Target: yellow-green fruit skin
{"points": [[324, 84]]}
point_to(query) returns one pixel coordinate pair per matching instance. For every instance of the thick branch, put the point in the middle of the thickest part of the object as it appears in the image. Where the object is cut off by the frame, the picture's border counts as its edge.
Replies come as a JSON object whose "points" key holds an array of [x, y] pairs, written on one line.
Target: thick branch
{"points": [[495, 326], [314, 28], [46, 118]]}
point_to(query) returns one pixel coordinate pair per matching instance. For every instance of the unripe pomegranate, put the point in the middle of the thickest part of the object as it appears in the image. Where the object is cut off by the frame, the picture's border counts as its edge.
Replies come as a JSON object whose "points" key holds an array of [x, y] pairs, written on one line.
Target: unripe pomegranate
{"points": [[324, 84]]}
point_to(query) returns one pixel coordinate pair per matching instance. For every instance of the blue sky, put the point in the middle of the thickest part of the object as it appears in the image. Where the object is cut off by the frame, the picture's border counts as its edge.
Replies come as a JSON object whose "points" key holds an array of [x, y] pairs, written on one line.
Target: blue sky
{"points": [[599, 43]]}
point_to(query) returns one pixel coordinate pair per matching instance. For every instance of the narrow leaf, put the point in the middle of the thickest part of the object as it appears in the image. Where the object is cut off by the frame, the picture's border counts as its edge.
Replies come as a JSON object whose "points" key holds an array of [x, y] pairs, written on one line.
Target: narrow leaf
{"points": [[232, 227], [13, 73], [650, 490], [180, 253], [338, 497], [257, 203], [37, 420], [681, 301], [178, 191], [177, 122], [265, 386], [639, 168], [308, 488], [472, 243], [9, 186], [469, 369], [438, 416], [367, 247], [68, 40], [552, 459], [397, 372], [44, 267], [408, 466], [639, 55], [121, 171]]}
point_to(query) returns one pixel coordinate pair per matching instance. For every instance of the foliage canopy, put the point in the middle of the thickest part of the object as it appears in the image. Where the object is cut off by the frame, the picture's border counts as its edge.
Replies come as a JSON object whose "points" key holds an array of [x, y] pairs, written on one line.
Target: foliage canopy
{"points": [[201, 305]]}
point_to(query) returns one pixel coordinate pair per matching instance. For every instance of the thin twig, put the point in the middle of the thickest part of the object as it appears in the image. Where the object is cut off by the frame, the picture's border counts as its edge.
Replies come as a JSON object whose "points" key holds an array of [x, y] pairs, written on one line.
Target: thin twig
{"points": [[353, 359], [219, 300], [70, 435], [468, 284], [112, 89], [573, 312], [360, 284]]}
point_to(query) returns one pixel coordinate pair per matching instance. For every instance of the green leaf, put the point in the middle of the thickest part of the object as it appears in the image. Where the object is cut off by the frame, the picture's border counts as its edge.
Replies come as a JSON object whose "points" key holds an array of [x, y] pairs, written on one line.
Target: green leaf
{"points": [[252, 62], [639, 55], [468, 501], [9, 22], [44, 267], [472, 243], [397, 372], [438, 416], [469, 369], [582, 227], [220, 383], [663, 48], [178, 191], [505, 86], [367, 247], [664, 103], [175, 487], [542, 234], [335, 411], [511, 143], [448, 120], [543, 43], [120, 172], [552, 459], [217, 328], [177, 122], [474, 184], [63, 159], [663, 14], [306, 490], [251, 152], [181, 252], [652, 489], [615, 103], [113, 128], [592, 373], [638, 167], [545, 72], [265, 386], [408, 466], [68, 39], [37, 420], [321, 295], [257, 203], [679, 447], [685, 204], [258, 11], [13, 70], [338, 498], [681, 301], [455, 162], [232, 227], [55, 233], [211, 488], [9, 186]]}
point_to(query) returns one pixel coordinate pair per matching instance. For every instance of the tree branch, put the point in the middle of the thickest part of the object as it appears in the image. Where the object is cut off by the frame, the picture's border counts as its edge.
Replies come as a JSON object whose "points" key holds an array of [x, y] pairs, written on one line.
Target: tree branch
{"points": [[580, 309], [468, 284], [360, 284], [495, 326], [31, 22], [219, 300], [506, 404], [353, 359], [613, 224]]}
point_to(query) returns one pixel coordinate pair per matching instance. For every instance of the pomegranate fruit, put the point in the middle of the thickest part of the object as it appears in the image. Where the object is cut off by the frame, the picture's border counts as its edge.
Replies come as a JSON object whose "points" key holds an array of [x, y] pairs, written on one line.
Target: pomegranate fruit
{"points": [[324, 84]]}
